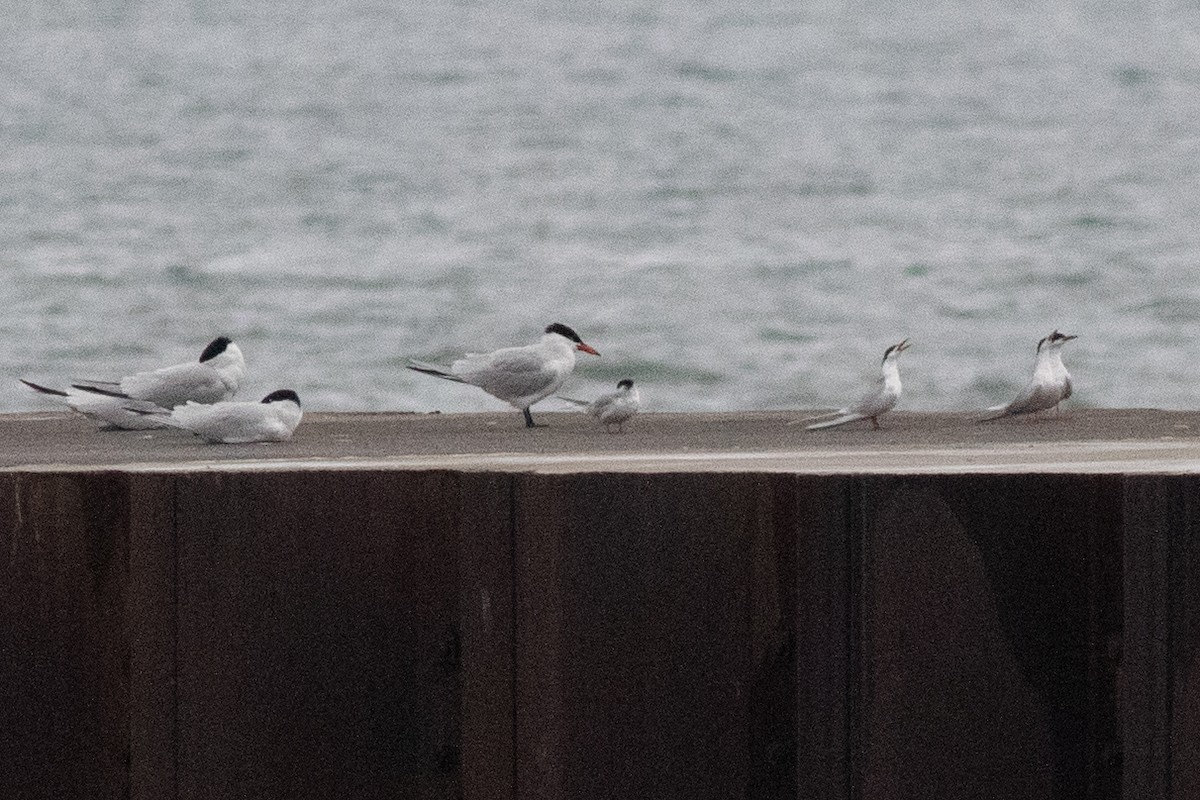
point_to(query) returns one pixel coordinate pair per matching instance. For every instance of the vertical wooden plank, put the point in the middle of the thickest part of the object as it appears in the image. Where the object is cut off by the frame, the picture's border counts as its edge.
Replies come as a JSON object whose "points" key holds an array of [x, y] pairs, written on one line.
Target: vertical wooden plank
{"points": [[1146, 669], [319, 642], [485, 549], [824, 528], [773, 636], [541, 722], [1184, 619], [151, 612], [1106, 619], [64, 702], [636, 658]]}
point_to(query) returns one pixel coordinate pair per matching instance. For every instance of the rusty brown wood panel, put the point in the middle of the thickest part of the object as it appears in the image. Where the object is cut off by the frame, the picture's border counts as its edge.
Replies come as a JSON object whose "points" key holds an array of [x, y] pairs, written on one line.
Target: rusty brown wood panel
{"points": [[988, 666], [825, 527], [379, 634], [318, 635], [653, 625], [151, 613], [1161, 665], [486, 603], [64, 699]]}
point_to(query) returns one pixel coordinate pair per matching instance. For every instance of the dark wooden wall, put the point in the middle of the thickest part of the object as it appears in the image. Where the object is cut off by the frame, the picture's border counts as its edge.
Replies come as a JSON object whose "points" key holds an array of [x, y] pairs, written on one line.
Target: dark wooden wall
{"points": [[383, 634]]}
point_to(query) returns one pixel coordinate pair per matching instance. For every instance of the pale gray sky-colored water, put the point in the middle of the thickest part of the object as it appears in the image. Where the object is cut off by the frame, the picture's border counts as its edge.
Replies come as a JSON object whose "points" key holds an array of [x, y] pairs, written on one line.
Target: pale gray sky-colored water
{"points": [[739, 204]]}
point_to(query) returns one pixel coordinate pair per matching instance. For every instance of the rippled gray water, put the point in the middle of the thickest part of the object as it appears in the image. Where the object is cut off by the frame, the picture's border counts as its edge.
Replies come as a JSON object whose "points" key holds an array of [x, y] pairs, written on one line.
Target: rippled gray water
{"points": [[739, 204]]}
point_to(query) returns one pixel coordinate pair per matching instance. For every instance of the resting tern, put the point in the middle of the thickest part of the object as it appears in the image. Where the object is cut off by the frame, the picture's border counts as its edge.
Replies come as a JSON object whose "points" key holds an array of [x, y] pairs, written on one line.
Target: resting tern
{"points": [[1049, 386], [214, 377], [520, 376], [613, 408], [228, 422], [879, 400], [112, 413]]}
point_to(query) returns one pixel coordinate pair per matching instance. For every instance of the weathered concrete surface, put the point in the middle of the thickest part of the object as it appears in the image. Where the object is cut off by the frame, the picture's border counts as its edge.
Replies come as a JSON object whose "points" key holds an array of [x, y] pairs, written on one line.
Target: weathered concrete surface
{"points": [[1082, 440], [545, 619]]}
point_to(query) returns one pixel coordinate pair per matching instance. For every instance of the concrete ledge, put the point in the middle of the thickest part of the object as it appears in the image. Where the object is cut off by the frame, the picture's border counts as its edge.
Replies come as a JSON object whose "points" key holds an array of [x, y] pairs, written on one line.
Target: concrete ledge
{"points": [[543, 619], [1096, 441]]}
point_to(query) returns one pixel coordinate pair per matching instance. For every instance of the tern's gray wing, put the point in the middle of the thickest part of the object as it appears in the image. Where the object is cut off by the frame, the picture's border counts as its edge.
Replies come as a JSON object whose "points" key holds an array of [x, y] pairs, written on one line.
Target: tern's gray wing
{"points": [[229, 422], [1066, 388], [604, 402], [115, 412], [509, 374], [1037, 396], [876, 401], [510, 359], [617, 410], [174, 386]]}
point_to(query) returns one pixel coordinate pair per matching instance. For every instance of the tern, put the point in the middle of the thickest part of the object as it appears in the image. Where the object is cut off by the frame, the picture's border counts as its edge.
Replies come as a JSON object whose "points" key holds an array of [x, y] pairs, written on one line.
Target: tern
{"points": [[1049, 386], [612, 408], [520, 376], [111, 413], [214, 377], [274, 419], [879, 400]]}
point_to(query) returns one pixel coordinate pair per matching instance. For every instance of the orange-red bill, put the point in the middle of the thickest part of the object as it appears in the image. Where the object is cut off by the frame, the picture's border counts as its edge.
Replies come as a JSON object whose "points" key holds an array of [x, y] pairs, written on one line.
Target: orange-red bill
{"points": [[587, 348]]}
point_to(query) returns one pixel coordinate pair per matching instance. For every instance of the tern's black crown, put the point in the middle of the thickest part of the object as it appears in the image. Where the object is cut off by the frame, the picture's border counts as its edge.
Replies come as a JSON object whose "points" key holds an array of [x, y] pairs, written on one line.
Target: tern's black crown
{"points": [[215, 348], [625, 384], [282, 394], [563, 330]]}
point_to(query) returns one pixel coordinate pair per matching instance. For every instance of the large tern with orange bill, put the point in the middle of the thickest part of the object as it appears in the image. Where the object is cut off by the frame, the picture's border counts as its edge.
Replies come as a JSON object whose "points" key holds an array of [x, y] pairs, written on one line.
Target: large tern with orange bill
{"points": [[520, 376]]}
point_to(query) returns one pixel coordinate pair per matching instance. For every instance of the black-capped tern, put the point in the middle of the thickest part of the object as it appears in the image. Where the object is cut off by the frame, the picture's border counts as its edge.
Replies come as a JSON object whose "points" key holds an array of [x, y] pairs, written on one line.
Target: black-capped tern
{"points": [[1049, 386], [520, 376], [214, 377], [273, 419], [612, 408], [110, 411], [879, 400]]}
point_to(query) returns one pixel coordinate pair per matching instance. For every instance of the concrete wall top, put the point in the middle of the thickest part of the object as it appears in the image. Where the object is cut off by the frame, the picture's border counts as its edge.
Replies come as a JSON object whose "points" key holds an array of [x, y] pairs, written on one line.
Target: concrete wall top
{"points": [[1089, 441]]}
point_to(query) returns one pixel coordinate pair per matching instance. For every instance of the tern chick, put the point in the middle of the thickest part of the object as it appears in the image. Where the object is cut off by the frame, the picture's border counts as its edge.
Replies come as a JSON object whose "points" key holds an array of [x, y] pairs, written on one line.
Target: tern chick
{"points": [[612, 408]]}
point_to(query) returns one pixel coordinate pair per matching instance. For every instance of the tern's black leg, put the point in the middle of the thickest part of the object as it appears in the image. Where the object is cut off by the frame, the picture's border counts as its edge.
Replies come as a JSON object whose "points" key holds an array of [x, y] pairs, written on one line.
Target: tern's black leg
{"points": [[529, 423]]}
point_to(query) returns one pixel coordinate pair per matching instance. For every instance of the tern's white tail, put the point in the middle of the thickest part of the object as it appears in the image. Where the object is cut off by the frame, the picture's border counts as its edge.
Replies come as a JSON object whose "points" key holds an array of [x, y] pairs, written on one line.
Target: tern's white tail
{"points": [[842, 420]]}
